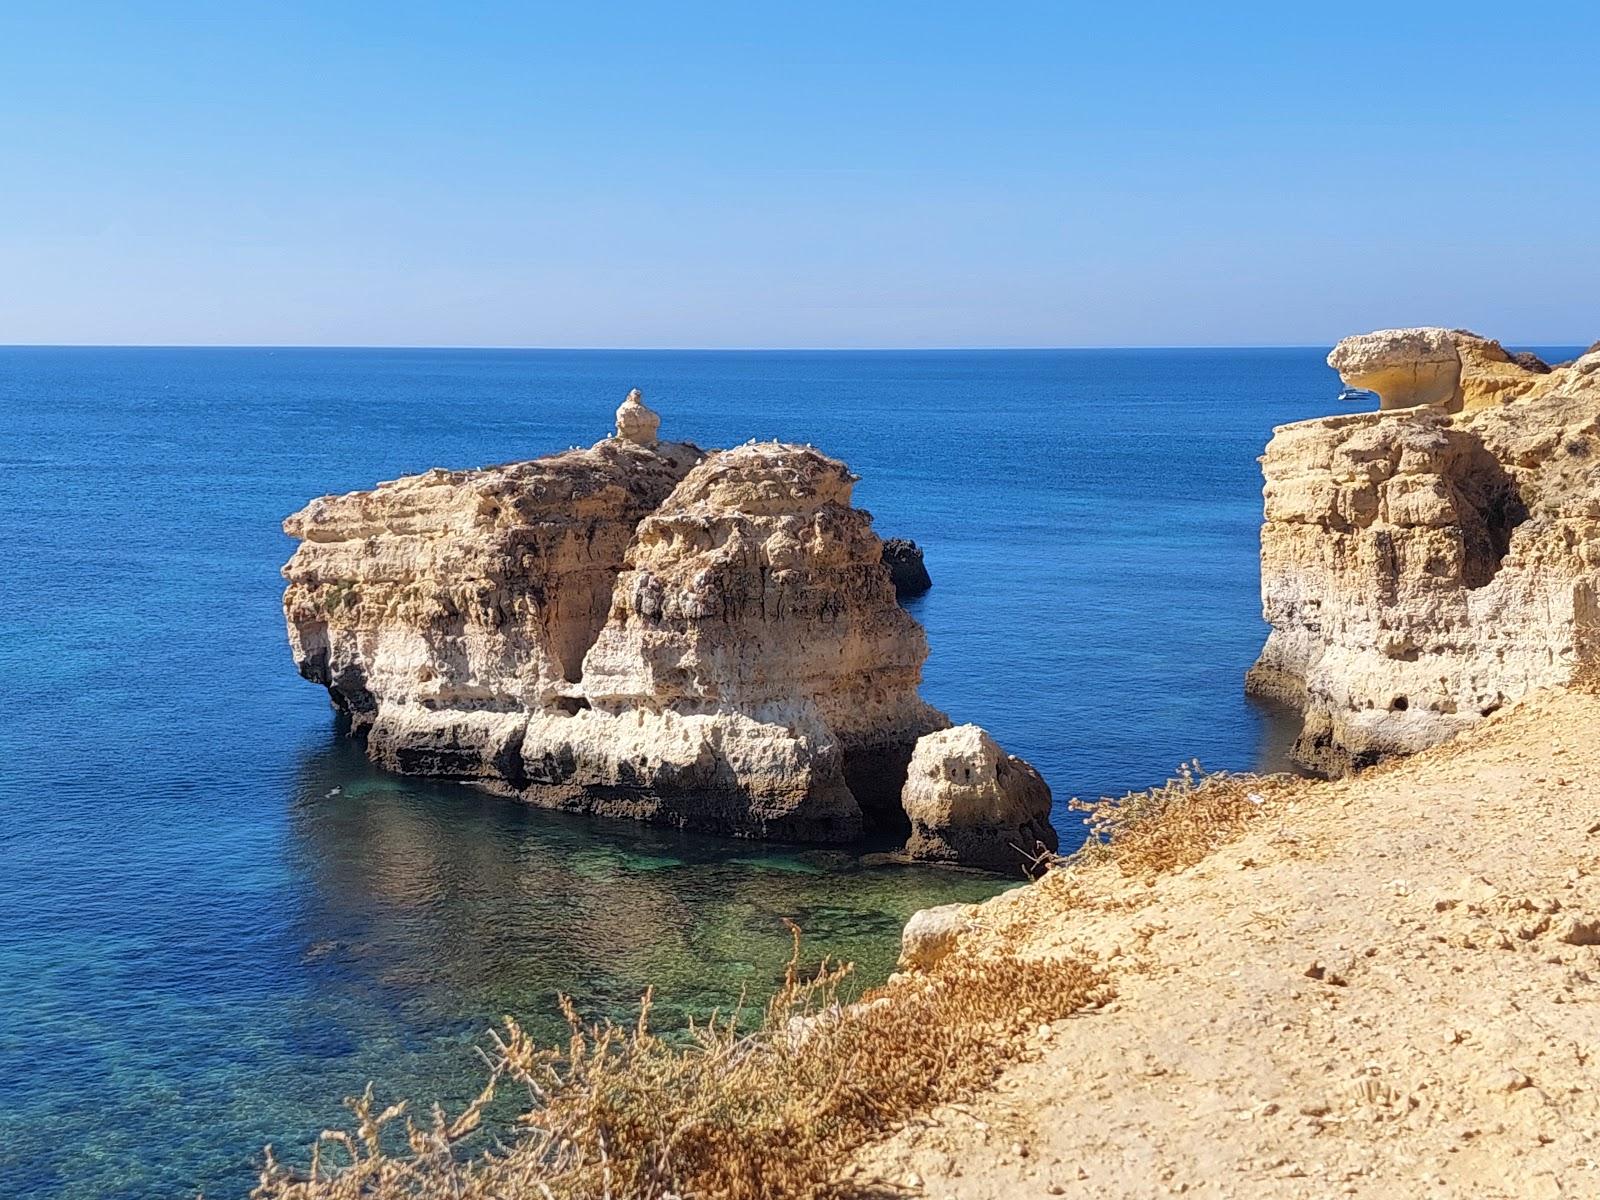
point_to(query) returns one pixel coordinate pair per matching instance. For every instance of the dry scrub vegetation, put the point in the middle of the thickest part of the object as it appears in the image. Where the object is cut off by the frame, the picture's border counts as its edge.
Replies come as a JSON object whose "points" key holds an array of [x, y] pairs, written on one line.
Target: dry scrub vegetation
{"points": [[733, 1113], [1174, 826], [620, 1113]]}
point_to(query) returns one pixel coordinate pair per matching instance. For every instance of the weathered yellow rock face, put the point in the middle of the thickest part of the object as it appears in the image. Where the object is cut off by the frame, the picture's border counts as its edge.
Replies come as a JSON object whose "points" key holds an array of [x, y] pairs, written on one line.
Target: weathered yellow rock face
{"points": [[468, 592], [757, 589], [1449, 369], [1420, 568], [639, 629]]}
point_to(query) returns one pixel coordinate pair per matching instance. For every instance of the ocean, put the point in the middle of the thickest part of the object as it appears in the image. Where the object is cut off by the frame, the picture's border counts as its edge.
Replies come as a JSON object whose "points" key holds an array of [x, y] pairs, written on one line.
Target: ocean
{"points": [[216, 920]]}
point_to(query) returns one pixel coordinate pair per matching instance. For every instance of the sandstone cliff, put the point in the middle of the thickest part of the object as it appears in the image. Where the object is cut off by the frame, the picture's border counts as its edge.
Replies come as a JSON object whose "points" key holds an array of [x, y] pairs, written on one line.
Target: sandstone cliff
{"points": [[1422, 567], [639, 629]]}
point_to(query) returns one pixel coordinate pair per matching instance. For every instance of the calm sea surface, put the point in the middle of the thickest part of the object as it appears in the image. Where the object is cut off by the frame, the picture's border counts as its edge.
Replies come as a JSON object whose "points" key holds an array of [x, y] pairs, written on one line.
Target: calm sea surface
{"points": [[216, 920]]}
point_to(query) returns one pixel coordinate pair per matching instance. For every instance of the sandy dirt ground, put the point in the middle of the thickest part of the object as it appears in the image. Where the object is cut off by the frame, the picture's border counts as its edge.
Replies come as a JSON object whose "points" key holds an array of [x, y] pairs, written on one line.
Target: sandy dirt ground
{"points": [[1389, 987]]}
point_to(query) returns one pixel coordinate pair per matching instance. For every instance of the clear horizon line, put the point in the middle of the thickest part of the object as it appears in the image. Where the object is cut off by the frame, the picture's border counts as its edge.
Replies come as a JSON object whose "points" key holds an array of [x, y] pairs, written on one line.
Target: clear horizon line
{"points": [[704, 349]]}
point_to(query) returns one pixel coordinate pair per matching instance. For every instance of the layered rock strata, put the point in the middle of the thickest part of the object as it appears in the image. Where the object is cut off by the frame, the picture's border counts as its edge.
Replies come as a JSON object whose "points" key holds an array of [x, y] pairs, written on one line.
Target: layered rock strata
{"points": [[638, 629], [1420, 568]]}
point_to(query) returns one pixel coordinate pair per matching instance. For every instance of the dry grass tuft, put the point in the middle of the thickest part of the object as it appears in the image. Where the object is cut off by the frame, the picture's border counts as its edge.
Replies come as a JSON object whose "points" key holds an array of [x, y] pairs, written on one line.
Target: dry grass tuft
{"points": [[1139, 836], [1174, 826], [731, 1115]]}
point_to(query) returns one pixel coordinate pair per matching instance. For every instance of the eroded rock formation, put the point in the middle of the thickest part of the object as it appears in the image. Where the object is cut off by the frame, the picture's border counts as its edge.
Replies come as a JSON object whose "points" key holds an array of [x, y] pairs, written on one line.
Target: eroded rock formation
{"points": [[933, 933], [638, 629], [970, 802], [907, 571], [438, 608], [1420, 568], [635, 422], [1449, 369]]}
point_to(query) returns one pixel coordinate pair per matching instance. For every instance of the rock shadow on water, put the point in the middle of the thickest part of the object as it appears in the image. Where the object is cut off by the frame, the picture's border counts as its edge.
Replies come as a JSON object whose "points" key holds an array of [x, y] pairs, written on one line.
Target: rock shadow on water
{"points": [[435, 901], [1277, 727]]}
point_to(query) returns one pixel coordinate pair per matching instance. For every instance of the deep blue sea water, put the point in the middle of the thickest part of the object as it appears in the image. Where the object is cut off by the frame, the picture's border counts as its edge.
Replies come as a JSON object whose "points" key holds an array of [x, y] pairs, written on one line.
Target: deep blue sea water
{"points": [[216, 919]]}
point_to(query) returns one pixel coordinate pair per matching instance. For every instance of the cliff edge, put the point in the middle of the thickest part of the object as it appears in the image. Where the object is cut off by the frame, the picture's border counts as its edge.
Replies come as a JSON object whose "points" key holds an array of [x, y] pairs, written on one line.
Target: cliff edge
{"points": [[1424, 565], [1385, 987]]}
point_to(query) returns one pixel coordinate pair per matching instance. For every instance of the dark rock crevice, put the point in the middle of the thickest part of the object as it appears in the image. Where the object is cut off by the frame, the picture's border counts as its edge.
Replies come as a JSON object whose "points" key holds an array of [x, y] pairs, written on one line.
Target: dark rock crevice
{"points": [[1491, 508]]}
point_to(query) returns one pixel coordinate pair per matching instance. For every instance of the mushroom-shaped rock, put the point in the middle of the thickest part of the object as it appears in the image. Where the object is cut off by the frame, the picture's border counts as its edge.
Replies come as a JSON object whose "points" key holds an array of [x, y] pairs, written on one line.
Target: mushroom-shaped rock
{"points": [[971, 803], [1422, 569], [1450, 369], [635, 422], [1406, 367]]}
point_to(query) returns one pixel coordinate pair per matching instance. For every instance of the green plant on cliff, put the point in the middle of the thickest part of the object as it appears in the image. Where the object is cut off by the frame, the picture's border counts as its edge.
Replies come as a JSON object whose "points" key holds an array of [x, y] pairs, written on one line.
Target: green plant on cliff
{"points": [[727, 1114]]}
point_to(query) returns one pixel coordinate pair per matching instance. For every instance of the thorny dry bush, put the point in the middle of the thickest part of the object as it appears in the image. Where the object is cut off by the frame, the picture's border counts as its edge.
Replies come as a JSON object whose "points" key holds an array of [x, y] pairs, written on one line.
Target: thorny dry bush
{"points": [[731, 1115], [1174, 826]]}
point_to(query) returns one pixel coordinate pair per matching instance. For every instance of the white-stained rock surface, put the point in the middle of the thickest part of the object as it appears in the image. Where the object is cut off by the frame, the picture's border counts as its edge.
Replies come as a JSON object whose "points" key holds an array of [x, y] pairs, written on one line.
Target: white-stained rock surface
{"points": [[638, 629], [971, 802], [1420, 568]]}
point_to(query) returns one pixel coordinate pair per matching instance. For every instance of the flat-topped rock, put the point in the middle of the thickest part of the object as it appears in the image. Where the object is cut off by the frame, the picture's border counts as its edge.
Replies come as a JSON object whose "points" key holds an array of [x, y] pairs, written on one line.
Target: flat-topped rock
{"points": [[1405, 367], [478, 589]]}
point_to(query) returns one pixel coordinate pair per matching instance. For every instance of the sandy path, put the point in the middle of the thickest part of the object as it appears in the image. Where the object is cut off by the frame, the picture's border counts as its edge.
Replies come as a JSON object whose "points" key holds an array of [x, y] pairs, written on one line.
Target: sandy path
{"points": [[1449, 1048]]}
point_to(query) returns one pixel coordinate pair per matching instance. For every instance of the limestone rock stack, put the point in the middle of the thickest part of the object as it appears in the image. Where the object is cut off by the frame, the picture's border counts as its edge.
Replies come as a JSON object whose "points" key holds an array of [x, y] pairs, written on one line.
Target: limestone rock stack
{"points": [[635, 422], [754, 651], [1420, 568], [971, 802], [438, 610], [638, 629]]}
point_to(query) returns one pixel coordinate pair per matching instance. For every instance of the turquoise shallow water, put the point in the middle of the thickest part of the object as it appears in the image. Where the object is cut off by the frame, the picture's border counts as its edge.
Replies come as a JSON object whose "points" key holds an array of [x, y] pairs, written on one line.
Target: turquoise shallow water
{"points": [[216, 919]]}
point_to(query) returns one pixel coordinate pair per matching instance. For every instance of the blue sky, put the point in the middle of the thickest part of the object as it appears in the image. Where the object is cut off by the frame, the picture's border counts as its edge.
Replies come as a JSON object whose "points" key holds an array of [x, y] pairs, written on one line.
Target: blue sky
{"points": [[817, 174]]}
